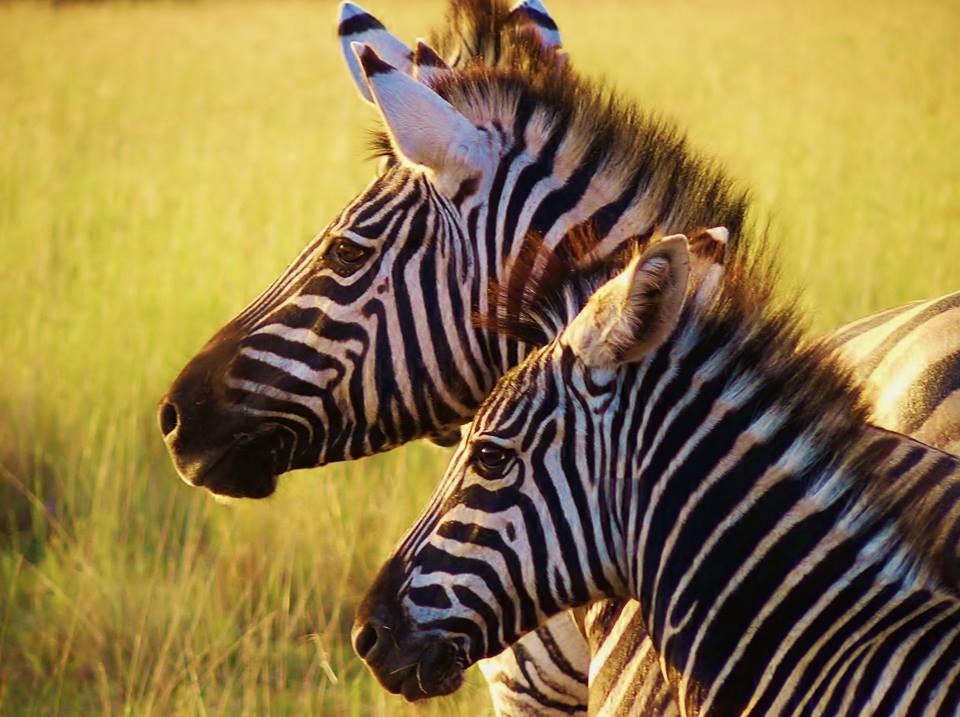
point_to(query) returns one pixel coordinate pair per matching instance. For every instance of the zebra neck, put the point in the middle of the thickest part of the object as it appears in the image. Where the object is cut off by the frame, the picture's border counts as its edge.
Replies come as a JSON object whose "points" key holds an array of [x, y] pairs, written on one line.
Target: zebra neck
{"points": [[748, 511]]}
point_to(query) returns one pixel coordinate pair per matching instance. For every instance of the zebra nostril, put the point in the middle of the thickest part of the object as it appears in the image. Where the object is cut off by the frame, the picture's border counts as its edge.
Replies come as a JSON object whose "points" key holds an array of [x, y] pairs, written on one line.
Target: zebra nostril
{"points": [[168, 418], [365, 640]]}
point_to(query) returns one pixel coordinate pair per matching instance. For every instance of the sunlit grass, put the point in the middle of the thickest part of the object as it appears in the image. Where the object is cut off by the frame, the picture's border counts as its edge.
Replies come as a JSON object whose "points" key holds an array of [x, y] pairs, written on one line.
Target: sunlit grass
{"points": [[160, 163]]}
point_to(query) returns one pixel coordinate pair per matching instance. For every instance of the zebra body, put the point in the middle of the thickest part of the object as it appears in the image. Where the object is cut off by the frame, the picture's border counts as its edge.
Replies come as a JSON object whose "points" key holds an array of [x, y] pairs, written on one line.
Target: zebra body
{"points": [[909, 363], [625, 676], [683, 449]]}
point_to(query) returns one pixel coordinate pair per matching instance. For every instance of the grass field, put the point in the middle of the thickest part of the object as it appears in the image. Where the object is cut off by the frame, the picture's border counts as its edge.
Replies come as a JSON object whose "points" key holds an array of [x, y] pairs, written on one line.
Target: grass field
{"points": [[160, 163]]}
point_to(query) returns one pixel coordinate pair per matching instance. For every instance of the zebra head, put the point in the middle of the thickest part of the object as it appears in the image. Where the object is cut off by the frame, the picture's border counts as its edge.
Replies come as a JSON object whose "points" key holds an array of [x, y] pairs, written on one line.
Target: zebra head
{"points": [[522, 527], [365, 342]]}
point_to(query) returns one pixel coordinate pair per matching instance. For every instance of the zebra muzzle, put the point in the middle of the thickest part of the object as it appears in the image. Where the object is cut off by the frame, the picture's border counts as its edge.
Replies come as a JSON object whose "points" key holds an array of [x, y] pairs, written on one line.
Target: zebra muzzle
{"points": [[237, 463], [416, 669]]}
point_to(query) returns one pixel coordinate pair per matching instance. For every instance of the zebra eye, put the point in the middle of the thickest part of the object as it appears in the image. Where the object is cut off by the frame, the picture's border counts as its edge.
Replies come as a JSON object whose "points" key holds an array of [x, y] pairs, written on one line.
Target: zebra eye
{"points": [[348, 255], [490, 460]]}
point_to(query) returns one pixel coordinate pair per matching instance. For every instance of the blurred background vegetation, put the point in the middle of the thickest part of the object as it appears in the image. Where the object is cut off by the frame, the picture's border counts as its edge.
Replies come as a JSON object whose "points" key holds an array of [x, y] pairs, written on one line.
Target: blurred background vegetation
{"points": [[161, 162]]}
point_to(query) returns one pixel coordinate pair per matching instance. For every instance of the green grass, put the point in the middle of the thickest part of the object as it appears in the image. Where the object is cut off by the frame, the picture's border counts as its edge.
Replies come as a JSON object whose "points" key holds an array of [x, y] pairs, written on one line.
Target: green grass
{"points": [[160, 163]]}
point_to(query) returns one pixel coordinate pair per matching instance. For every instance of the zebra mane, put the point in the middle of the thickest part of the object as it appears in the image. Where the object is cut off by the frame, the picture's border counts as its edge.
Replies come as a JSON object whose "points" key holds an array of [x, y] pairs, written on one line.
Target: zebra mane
{"points": [[547, 286], [616, 140], [513, 82]]}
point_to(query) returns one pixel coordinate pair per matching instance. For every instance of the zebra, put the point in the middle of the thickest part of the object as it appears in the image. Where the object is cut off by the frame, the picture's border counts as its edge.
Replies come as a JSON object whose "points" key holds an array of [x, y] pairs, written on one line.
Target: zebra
{"points": [[227, 434], [300, 377], [679, 445]]}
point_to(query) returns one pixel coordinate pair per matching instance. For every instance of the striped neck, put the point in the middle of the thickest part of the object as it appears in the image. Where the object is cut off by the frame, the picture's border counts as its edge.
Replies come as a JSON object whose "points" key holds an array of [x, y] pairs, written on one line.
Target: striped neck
{"points": [[745, 507]]}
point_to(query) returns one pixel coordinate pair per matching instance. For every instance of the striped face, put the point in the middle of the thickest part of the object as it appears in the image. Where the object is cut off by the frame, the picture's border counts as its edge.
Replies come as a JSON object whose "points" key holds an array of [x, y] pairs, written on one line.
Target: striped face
{"points": [[347, 354], [471, 577], [365, 342], [511, 535]]}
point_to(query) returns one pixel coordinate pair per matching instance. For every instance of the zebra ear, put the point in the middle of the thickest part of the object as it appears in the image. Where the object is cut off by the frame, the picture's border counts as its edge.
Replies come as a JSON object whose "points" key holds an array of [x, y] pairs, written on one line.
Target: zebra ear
{"points": [[424, 127], [633, 314], [357, 25], [708, 251], [532, 14], [428, 67]]}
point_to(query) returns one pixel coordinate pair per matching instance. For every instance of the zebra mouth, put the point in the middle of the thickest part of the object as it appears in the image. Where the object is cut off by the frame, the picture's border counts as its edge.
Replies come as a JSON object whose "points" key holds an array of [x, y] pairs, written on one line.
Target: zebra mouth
{"points": [[246, 469], [437, 672]]}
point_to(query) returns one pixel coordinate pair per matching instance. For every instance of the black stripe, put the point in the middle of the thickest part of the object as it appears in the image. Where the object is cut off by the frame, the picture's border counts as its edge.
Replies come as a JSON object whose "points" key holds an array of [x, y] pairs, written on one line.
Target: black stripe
{"points": [[426, 57], [767, 578], [492, 642], [253, 369], [291, 350], [568, 460], [936, 673], [562, 200], [387, 387], [528, 178], [631, 641], [738, 543], [534, 515], [917, 654], [950, 706], [432, 596], [370, 204], [845, 602], [529, 687], [478, 499], [557, 656], [358, 24], [846, 665], [372, 64], [536, 17]]}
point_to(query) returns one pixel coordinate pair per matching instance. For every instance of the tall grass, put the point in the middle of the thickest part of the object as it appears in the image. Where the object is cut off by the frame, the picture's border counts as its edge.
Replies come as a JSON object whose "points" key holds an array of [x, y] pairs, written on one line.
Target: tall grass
{"points": [[159, 164]]}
